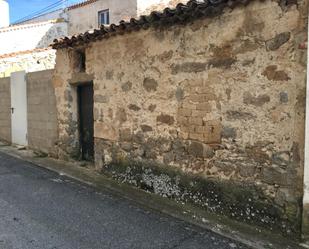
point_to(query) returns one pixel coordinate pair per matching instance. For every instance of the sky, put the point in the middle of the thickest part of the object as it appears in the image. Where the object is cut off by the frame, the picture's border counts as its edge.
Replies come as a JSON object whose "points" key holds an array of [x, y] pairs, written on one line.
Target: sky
{"points": [[22, 8]]}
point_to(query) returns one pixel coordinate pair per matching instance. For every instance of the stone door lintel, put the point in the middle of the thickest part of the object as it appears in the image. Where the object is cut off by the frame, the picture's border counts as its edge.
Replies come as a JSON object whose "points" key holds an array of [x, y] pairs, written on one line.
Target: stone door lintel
{"points": [[81, 78]]}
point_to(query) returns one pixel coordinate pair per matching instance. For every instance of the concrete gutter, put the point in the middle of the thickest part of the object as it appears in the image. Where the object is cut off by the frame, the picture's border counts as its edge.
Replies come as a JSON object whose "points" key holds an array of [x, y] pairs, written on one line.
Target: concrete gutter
{"points": [[254, 237]]}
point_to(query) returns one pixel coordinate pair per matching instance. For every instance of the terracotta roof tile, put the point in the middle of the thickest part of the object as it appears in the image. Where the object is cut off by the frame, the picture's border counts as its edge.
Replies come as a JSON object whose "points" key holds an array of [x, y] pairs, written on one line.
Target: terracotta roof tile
{"points": [[78, 5], [37, 50], [183, 13]]}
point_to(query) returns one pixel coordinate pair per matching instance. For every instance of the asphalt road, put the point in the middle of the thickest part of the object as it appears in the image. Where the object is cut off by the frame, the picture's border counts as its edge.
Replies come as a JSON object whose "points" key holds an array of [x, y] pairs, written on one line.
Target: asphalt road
{"points": [[43, 210]]}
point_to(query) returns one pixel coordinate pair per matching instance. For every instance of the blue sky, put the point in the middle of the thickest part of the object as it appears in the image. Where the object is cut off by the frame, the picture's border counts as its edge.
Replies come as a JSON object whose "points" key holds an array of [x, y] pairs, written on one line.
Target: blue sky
{"points": [[22, 8]]}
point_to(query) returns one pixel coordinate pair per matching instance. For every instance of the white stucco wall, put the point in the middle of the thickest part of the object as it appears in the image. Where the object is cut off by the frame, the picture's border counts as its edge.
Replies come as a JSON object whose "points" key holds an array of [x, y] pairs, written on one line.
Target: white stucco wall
{"points": [[30, 36], [4, 14], [85, 18]]}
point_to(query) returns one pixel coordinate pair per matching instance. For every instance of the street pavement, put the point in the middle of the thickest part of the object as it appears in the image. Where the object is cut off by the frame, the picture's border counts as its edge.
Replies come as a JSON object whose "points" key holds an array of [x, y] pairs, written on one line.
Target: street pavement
{"points": [[40, 209]]}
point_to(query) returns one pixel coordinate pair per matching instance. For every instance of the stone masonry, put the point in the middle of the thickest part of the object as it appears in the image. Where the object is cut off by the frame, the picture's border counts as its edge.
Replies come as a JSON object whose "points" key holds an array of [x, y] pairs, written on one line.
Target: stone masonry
{"points": [[220, 98], [29, 61]]}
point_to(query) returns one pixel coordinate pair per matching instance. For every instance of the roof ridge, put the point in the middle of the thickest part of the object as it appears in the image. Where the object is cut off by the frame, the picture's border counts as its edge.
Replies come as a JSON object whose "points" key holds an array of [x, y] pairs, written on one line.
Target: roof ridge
{"points": [[29, 25]]}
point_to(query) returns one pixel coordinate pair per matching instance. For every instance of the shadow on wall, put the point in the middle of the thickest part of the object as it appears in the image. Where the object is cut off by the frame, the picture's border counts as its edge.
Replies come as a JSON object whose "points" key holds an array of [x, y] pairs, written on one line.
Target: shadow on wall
{"points": [[58, 30]]}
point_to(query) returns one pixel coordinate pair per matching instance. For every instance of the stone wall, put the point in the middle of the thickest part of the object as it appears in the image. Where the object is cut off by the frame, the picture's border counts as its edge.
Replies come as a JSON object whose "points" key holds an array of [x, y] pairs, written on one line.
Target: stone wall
{"points": [[42, 114], [5, 110], [29, 61], [221, 99]]}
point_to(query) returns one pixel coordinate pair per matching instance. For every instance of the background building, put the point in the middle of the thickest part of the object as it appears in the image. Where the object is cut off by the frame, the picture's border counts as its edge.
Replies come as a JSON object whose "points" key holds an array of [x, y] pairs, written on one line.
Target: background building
{"points": [[4, 14], [22, 43], [91, 14]]}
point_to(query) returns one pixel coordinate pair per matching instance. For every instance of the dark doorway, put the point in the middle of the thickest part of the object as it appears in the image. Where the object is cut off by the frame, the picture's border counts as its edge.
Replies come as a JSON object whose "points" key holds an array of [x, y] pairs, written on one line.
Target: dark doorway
{"points": [[85, 101]]}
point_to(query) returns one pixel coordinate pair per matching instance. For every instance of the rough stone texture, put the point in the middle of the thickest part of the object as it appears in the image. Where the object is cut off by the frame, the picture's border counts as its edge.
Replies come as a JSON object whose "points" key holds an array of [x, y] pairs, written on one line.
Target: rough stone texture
{"points": [[227, 122], [67, 109], [29, 62], [256, 101], [42, 113], [272, 73], [5, 110], [278, 41]]}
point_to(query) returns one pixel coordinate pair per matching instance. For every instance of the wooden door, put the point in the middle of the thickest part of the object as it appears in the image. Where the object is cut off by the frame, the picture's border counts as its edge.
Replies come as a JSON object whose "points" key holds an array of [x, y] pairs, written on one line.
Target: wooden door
{"points": [[86, 121]]}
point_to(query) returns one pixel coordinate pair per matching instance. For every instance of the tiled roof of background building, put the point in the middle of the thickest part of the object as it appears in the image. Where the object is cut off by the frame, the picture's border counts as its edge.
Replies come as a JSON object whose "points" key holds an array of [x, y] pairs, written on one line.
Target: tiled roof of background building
{"points": [[183, 13], [14, 54], [29, 25], [78, 5]]}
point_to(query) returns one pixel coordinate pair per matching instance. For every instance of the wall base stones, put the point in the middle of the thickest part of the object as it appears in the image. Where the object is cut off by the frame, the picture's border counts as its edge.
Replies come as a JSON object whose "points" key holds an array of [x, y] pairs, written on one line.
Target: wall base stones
{"points": [[245, 202]]}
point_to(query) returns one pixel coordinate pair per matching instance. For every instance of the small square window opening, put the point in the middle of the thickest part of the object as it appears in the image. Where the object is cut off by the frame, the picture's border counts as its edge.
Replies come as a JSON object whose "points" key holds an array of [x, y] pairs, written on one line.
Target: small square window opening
{"points": [[104, 17]]}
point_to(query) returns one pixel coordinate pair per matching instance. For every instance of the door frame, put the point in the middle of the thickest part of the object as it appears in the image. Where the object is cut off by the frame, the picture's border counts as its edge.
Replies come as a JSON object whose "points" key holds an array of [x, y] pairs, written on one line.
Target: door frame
{"points": [[79, 86]]}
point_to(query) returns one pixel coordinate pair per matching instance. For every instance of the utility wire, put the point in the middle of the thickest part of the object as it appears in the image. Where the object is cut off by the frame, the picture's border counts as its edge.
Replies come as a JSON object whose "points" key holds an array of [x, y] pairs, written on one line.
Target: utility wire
{"points": [[40, 12], [44, 9]]}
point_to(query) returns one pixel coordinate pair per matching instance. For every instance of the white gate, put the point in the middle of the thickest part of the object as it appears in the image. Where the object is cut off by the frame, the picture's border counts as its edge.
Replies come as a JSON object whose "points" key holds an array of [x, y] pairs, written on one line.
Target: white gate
{"points": [[19, 108]]}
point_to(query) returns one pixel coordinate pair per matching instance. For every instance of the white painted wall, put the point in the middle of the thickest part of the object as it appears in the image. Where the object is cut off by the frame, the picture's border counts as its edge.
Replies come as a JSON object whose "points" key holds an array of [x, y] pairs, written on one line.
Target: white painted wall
{"points": [[30, 36], [19, 108], [85, 18], [4, 14]]}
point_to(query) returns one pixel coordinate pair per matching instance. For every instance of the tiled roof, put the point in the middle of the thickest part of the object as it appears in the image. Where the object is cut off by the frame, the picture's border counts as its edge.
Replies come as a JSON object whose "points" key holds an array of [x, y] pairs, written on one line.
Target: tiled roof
{"points": [[183, 13], [78, 5], [37, 50]]}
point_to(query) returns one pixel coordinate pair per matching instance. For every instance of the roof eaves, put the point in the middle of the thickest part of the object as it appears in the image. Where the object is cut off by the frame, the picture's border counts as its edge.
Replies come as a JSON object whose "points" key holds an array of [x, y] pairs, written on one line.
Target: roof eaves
{"points": [[183, 13]]}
